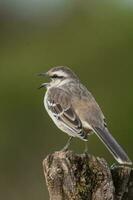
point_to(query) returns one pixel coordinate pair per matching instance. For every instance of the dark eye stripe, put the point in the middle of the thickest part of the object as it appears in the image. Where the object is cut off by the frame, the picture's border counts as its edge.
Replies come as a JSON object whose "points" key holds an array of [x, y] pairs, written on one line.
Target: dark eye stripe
{"points": [[56, 76]]}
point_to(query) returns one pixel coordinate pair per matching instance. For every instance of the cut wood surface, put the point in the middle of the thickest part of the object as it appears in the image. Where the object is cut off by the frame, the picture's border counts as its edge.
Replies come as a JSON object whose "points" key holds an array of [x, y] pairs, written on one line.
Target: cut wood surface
{"points": [[71, 176]]}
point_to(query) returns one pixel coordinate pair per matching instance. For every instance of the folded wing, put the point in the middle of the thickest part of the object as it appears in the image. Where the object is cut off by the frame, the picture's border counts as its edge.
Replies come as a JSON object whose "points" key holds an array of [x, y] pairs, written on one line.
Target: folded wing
{"points": [[59, 103]]}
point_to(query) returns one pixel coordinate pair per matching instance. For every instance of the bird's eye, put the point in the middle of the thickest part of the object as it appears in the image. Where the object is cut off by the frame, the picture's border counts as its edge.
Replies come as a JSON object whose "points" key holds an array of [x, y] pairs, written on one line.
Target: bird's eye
{"points": [[54, 76]]}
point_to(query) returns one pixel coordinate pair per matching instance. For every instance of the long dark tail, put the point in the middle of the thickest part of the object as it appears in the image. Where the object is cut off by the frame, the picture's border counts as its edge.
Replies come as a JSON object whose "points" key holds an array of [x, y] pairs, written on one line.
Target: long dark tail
{"points": [[115, 149]]}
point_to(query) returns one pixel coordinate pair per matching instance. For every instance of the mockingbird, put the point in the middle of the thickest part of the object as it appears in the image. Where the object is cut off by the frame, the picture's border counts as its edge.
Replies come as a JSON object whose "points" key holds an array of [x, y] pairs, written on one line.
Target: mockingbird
{"points": [[75, 111]]}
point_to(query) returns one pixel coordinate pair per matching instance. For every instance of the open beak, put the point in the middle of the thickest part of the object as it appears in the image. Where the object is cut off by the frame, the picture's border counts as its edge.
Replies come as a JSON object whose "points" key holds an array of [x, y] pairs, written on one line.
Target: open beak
{"points": [[43, 84]]}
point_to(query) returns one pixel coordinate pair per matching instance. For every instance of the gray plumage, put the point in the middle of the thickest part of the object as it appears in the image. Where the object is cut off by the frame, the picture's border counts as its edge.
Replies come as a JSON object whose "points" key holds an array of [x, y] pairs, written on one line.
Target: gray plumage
{"points": [[75, 111]]}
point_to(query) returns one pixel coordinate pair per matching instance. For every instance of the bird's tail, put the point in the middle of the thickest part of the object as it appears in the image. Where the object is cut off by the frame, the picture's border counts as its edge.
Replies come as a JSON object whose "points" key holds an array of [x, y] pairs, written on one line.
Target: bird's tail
{"points": [[115, 149]]}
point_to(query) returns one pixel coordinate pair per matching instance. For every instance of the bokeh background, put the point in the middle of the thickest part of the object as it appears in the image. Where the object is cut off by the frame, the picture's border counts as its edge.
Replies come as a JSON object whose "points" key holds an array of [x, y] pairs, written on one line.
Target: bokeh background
{"points": [[94, 38]]}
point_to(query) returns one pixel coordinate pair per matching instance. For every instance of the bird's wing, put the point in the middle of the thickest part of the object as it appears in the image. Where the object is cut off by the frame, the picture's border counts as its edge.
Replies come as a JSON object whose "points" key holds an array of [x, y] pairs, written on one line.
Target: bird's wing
{"points": [[59, 102]]}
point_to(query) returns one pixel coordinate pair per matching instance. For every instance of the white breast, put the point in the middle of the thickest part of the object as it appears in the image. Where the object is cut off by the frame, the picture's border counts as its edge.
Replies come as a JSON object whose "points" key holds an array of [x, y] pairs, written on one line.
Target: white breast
{"points": [[47, 109]]}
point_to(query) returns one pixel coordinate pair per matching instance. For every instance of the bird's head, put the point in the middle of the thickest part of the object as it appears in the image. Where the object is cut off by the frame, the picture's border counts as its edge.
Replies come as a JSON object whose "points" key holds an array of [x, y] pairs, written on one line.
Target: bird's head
{"points": [[58, 76]]}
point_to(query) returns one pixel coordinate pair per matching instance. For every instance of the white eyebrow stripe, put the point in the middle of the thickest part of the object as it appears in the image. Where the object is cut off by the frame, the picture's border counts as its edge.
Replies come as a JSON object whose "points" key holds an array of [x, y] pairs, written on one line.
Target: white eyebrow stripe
{"points": [[60, 73]]}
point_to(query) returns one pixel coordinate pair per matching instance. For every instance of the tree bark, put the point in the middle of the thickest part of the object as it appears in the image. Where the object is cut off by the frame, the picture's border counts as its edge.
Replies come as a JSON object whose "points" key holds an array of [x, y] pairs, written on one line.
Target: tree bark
{"points": [[70, 176]]}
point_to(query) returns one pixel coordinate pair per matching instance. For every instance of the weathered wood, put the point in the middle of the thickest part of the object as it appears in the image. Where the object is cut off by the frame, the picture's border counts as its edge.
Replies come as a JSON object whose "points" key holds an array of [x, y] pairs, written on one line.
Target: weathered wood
{"points": [[70, 176]]}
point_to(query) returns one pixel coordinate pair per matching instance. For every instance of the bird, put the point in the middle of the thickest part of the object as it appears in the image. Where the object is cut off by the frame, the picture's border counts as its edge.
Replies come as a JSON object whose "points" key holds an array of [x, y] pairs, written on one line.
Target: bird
{"points": [[75, 111]]}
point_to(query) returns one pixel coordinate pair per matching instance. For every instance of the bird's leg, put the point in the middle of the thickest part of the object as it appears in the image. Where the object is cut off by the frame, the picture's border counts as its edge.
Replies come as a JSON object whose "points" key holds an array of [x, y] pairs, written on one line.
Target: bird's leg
{"points": [[86, 147], [65, 148]]}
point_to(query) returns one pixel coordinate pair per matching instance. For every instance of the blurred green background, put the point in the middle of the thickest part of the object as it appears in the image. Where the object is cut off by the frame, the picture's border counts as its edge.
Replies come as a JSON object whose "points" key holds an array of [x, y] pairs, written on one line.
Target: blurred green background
{"points": [[95, 39]]}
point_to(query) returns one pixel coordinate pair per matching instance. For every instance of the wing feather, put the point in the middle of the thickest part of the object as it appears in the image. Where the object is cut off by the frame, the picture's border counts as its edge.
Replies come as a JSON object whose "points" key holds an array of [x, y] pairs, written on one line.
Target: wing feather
{"points": [[60, 104]]}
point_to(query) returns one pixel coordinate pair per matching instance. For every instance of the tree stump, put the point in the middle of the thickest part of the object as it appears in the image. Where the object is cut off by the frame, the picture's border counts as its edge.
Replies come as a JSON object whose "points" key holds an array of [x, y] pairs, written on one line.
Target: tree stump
{"points": [[71, 176]]}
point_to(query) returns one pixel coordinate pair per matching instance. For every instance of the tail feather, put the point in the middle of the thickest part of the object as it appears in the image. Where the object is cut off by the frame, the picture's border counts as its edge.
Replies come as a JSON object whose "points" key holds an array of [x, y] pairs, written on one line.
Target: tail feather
{"points": [[115, 149]]}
